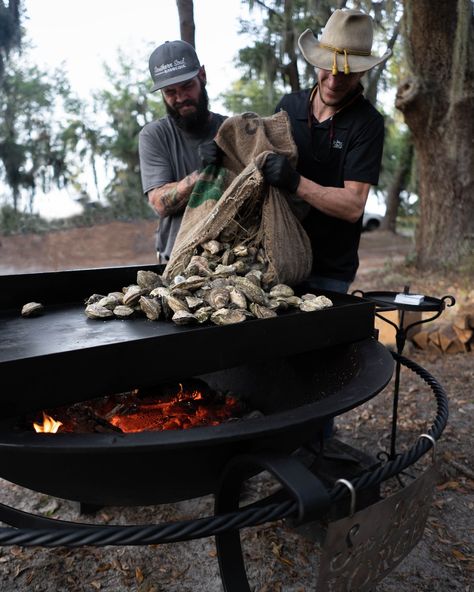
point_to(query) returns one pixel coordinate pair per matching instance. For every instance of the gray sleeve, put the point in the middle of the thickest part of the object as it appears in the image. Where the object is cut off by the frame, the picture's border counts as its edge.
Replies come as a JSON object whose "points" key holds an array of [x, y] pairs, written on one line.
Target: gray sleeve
{"points": [[155, 164]]}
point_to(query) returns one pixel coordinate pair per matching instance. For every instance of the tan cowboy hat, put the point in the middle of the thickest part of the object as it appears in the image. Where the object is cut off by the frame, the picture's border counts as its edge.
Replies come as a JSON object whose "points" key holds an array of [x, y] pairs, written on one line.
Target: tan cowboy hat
{"points": [[345, 44]]}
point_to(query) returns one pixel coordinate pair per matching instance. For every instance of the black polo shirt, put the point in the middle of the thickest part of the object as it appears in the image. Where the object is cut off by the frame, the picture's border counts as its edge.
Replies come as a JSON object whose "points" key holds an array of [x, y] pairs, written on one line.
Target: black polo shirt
{"points": [[346, 147]]}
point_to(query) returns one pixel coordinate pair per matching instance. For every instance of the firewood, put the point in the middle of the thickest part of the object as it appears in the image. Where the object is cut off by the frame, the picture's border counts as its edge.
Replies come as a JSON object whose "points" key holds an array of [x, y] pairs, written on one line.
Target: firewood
{"points": [[455, 347], [464, 335], [446, 336], [433, 337], [421, 339]]}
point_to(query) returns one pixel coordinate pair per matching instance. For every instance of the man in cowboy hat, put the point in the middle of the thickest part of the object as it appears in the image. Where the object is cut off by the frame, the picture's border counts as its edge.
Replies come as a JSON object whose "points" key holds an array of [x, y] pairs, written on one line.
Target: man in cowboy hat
{"points": [[339, 136], [169, 148]]}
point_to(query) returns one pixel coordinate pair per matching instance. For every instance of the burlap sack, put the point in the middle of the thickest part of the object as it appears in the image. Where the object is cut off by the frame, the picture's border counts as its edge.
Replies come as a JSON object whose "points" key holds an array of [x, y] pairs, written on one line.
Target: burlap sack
{"points": [[236, 198]]}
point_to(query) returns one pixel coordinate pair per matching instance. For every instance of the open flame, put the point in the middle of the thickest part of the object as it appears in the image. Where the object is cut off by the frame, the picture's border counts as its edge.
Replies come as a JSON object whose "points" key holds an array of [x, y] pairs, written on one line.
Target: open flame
{"points": [[49, 425]]}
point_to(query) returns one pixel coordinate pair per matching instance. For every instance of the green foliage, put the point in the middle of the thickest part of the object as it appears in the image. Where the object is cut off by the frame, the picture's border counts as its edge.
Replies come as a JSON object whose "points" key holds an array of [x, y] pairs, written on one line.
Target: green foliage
{"points": [[127, 107], [250, 95], [31, 149]]}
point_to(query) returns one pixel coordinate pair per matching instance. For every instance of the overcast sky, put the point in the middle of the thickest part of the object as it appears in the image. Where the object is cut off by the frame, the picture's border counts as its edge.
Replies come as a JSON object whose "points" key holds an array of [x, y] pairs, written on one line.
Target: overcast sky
{"points": [[88, 33], [84, 35]]}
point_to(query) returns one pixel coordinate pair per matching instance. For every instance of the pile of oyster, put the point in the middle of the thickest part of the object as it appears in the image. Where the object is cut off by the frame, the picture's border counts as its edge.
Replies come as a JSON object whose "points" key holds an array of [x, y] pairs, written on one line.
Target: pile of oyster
{"points": [[221, 284]]}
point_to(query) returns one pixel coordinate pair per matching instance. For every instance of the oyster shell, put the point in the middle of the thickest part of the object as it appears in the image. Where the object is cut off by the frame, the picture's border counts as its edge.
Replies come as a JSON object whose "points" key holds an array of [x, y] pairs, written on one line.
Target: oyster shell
{"points": [[202, 314], [193, 302], [31, 309], [316, 303], [252, 292], [95, 311], [109, 302], [174, 303], [227, 316], [151, 307], [261, 312], [183, 317], [198, 265], [148, 279], [218, 298], [122, 312], [132, 295], [281, 290], [237, 298], [212, 247], [93, 299]]}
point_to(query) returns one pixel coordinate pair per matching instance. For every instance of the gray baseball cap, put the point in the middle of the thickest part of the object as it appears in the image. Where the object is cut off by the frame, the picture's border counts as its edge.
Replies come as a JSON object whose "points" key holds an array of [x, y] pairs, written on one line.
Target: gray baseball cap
{"points": [[172, 63]]}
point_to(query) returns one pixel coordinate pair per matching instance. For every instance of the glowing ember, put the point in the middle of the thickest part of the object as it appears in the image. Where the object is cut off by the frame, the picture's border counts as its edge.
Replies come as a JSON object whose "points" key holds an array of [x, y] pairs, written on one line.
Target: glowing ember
{"points": [[187, 409], [49, 426], [163, 408]]}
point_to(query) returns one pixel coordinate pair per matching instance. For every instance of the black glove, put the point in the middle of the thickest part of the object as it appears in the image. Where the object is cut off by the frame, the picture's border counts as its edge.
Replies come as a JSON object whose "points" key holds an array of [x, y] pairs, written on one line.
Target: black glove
{"points": [[278, 171], [210, 153]]}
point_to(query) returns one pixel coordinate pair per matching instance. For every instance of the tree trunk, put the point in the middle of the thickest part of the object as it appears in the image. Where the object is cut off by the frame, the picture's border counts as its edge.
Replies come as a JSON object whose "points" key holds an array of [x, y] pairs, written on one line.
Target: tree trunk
{"points": [[397, 185], [186, 21], [437, 102]]}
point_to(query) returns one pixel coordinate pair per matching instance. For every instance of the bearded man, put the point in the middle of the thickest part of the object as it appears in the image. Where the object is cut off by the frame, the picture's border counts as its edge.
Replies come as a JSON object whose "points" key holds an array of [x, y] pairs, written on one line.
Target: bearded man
{"points": [[339, 136], [169, 148]]}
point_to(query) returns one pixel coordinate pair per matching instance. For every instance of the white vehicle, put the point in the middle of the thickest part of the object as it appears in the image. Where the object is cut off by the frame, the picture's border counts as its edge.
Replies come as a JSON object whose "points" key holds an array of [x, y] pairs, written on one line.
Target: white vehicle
{"points": [[371, 220]]}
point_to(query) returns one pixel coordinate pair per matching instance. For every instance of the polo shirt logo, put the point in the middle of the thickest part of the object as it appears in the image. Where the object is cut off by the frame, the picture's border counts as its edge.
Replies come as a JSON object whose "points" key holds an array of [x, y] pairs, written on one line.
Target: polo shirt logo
{"points": [[337, 144]]}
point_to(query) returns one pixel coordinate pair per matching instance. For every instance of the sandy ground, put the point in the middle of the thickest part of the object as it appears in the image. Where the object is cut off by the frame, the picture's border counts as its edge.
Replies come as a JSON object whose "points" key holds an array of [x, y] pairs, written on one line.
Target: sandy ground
{"points": [[277, 557]]}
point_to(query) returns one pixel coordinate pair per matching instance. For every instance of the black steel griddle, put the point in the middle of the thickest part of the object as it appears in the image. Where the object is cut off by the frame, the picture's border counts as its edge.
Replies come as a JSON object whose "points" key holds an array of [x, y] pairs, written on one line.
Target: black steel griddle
{"points": [[62, 356]]}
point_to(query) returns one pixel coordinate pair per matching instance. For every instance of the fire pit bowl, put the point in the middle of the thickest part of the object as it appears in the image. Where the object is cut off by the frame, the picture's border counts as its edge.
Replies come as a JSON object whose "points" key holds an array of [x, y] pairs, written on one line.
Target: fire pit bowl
{"points": [[294, 393], [297, 369]]}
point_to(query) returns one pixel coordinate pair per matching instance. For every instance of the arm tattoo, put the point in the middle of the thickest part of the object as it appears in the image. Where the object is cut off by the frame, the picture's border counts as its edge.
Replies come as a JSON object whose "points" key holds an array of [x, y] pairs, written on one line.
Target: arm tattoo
{"points": [[173, 197]]}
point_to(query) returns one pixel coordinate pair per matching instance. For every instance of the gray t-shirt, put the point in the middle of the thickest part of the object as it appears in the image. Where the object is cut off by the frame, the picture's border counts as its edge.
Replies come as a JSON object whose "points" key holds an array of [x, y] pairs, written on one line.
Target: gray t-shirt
{"points": [[168, 154]]}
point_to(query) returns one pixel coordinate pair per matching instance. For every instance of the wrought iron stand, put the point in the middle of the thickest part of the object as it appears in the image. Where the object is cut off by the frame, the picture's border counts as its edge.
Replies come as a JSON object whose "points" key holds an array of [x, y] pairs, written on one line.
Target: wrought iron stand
{"points": [[385, 302], [302, 497]]}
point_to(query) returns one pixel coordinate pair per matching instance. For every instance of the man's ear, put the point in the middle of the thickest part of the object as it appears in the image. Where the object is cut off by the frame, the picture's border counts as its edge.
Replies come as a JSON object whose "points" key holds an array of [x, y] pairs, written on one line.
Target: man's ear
{"points": [[202, 75]]}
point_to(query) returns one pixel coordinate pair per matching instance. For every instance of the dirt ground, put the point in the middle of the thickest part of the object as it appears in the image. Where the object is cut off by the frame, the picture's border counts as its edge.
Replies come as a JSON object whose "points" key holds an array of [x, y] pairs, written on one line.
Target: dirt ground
{"points": [[277, 558]]}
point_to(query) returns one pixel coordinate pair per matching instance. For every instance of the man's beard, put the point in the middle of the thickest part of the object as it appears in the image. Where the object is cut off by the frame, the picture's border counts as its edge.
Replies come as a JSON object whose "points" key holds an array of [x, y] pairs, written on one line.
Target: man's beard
{"points": [[192, 122]]}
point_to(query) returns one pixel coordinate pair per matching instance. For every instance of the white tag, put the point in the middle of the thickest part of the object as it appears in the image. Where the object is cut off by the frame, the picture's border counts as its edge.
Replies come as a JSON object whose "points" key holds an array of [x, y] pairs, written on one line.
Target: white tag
{"points": [[409, 298]]}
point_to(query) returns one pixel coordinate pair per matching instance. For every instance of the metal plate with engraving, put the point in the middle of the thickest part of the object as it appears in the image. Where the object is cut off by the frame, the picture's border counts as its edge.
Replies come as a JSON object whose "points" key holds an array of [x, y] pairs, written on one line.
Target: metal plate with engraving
{"points": [[361, 550]]}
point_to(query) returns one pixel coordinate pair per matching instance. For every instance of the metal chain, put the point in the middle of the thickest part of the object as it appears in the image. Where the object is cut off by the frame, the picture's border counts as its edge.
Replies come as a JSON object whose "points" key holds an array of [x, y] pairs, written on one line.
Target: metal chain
{"points": [[98, 535]]}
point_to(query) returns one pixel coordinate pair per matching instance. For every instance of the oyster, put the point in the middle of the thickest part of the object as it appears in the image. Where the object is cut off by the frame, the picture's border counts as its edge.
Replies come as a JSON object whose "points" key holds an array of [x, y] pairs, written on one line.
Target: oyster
{"points": [[95, 311], [202, 314], [31, 309], [93, 299], [212, 247], [198, 266], [121, 311], [148, 279], [227, 316], [316, 303], [224, 270], [151, 307], [132, 295], [252, 292], [109, 302], [194, 302], [183, 317], [237, 298], [281, 290], [218, 298], [241, 251], [261, 312], [175, 304]]}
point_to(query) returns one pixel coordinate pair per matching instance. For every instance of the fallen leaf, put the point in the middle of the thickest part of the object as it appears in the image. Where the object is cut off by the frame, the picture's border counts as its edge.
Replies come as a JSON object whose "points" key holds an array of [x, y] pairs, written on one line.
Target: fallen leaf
{"points": [[139, 575]]}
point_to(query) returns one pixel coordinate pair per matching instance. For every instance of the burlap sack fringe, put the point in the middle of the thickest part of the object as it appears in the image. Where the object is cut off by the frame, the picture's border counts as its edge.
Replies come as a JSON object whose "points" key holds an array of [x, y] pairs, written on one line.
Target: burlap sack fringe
{"points": [[246, 140]]}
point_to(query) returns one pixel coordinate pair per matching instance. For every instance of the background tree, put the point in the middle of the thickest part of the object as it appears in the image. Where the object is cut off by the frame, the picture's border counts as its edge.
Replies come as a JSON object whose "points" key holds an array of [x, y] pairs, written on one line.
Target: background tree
{"points": [[127, 106], [186, 21], [31, 149], [437, 100], [10, 31]]}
